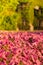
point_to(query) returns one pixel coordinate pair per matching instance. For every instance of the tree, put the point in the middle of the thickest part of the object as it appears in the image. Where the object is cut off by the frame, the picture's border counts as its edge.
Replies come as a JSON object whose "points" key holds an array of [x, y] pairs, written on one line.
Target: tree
{"points": [[10, 19], [8, 15], [23, 9]]}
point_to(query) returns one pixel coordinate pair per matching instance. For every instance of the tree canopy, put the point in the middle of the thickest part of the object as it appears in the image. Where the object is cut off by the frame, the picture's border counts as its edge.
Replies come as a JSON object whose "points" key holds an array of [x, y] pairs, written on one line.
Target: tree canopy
{"points": [[10, 18]]}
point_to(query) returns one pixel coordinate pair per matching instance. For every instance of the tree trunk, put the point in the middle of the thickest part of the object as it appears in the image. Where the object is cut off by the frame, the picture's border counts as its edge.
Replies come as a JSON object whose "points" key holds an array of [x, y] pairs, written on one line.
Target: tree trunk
{"points": [[31, 27]]}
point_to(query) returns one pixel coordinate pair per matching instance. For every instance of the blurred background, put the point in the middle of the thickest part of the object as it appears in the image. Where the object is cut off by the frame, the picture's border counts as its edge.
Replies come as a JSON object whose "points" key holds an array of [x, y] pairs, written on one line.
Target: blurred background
{"points": [[21, 14]]}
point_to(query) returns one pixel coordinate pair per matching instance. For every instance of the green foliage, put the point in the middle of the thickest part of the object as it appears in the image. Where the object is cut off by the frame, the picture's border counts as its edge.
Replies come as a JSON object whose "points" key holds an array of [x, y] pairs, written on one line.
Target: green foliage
{"points": [[10, 19], [8, 16], [35, 23]]}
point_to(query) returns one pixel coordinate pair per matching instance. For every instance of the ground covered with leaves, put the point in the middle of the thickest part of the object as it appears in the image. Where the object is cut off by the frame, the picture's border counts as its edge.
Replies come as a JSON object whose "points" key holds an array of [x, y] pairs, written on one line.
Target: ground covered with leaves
{"points": [[21, 48]]}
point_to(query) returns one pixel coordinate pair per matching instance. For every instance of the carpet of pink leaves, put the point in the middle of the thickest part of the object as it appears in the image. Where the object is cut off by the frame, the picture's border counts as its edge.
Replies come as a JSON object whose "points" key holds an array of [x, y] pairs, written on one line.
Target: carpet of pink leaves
{"points": [[21, 48]]}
